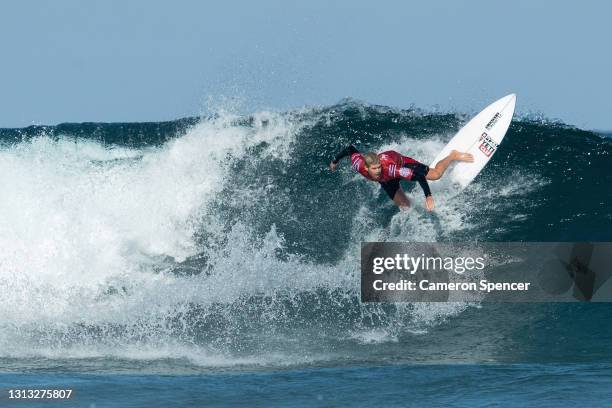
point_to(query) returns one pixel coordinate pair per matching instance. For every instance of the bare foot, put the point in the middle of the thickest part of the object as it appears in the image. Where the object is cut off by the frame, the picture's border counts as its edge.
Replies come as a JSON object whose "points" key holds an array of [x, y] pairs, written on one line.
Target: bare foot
{"points": [[460, 156]]}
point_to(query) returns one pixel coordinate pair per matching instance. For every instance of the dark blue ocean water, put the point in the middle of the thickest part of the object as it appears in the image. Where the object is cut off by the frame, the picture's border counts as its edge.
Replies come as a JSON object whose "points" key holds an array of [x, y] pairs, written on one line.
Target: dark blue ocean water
{"points": [[523, 362], [457, 385], [215, 262]]}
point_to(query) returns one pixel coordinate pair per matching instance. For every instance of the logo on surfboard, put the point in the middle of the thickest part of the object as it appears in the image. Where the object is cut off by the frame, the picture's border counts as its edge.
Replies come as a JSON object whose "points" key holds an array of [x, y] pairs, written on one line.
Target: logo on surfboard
{"points": [[493, 120], [487, 145]]}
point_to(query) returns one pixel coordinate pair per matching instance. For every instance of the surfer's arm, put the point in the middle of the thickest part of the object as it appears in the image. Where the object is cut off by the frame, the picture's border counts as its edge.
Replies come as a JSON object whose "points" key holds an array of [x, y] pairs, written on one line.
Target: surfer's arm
{"points": [[424, 185], [347, 151], [429, 202]]}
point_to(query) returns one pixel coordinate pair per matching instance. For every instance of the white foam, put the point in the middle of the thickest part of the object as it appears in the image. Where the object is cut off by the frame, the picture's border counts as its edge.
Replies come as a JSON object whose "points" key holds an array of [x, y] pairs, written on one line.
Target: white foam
{"points": [[375, 336], [77, 216]]}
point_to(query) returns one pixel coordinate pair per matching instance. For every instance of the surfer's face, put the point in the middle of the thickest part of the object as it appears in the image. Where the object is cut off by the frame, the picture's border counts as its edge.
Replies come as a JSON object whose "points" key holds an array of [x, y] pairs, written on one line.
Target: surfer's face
{"points": [[375, 170]]}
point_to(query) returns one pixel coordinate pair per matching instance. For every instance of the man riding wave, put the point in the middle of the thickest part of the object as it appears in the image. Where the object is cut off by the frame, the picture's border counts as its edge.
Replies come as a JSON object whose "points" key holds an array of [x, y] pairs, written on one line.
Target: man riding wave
{"points": [[389, 167]]}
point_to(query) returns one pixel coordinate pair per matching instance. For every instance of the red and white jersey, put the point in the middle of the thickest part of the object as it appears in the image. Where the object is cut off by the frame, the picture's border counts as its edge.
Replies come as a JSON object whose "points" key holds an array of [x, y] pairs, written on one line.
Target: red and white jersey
{"points": [[391, 162]]}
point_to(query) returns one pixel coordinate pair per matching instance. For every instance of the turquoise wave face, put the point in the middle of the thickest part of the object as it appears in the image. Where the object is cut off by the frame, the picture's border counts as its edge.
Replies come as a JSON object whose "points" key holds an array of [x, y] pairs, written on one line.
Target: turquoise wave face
{"points": [[227, 241]]}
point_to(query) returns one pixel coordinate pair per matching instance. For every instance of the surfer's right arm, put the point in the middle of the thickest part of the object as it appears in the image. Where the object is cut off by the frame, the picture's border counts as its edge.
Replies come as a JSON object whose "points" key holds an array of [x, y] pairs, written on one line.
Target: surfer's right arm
{"points": [[347, 151]]}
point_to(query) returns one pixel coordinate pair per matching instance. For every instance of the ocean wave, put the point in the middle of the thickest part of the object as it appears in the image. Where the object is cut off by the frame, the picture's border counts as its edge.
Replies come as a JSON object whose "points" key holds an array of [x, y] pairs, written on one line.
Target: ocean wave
{"points": [[228, 238]]}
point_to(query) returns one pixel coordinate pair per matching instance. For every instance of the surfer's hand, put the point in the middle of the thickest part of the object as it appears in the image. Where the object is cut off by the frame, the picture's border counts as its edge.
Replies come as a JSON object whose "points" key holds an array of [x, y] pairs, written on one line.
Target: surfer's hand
{"points": [[332, 166], [429, 203]]}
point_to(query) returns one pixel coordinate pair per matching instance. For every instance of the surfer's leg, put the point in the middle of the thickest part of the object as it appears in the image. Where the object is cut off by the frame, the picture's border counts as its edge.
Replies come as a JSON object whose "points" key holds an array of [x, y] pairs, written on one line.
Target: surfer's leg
{"points": [[401, 200], [395, 192], [436, 172]]}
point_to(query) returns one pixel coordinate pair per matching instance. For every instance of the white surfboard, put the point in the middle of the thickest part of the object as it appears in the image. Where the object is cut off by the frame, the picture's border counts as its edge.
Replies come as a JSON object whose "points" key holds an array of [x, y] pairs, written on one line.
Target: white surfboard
{"points": [[481, 137]]}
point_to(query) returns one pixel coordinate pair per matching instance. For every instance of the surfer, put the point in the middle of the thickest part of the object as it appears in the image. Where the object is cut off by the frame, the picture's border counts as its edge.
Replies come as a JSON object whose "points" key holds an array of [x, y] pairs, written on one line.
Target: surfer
{"points": [[389, 167]]}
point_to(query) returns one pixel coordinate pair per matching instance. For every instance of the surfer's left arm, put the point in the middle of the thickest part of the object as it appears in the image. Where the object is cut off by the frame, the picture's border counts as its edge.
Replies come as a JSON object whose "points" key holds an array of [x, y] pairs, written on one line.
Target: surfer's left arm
{"points": [[429, 201]]}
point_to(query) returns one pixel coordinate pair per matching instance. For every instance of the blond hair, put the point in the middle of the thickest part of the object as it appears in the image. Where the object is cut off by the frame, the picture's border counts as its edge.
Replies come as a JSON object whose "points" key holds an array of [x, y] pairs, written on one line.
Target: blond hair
{"points": [[371, 158]]}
